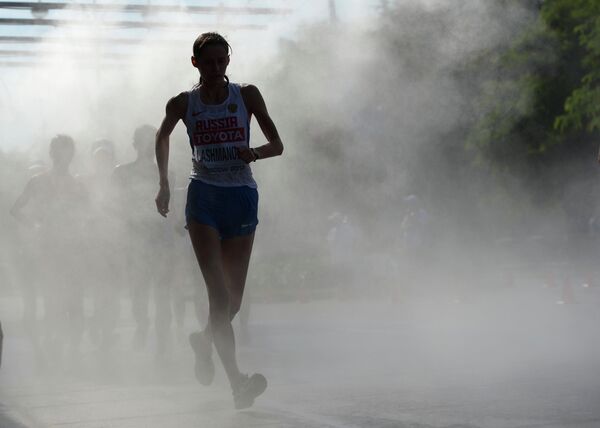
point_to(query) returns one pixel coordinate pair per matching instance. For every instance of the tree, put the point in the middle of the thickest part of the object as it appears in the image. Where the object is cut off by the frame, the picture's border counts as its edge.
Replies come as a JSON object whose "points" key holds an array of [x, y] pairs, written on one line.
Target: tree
{"points": [[578, 24]]}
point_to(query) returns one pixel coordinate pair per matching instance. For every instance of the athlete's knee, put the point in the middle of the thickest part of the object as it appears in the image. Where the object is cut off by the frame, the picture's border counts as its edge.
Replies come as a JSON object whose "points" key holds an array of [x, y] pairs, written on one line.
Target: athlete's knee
{"points": [[219, 318], [219, 305], [235, 303]]}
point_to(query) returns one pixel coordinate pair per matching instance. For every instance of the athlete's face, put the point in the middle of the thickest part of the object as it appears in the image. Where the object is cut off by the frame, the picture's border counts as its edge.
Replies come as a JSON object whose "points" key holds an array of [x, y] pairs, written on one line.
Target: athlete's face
{"points": [[212, 63], [144, 148], [61, 156]]}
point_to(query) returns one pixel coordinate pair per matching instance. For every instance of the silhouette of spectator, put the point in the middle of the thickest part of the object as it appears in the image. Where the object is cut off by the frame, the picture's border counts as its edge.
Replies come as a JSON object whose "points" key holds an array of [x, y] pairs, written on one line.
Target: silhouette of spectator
{"points": [[103, 276], [27, 255], [135, 186], [53, 205]]}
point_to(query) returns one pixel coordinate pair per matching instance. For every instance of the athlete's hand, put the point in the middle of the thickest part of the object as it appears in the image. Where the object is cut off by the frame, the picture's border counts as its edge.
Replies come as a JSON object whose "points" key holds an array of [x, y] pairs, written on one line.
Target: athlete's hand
{"points": [[245, 154], [162, 200]]}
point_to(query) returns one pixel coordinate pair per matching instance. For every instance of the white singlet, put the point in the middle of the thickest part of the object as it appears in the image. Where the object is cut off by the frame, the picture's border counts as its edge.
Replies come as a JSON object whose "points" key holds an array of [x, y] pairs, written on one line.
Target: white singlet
{"points": [[215, 133]]}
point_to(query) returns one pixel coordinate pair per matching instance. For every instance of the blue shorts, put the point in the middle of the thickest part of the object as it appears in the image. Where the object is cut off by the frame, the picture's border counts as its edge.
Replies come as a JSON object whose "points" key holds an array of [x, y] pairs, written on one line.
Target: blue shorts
{"points": [[231, 210]]}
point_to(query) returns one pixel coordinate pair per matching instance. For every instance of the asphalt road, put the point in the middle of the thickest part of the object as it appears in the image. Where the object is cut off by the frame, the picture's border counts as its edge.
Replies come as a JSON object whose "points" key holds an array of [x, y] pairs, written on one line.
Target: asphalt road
{"points": [[511, 359]]}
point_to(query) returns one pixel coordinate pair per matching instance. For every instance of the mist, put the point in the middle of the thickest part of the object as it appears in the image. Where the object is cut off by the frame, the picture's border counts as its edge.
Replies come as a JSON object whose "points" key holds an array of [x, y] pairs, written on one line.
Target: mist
{"points": [[398, 277]]}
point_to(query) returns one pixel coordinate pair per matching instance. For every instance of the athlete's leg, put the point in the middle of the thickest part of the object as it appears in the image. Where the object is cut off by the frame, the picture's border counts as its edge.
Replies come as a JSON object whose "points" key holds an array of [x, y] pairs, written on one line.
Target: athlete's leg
{"points": [[199, 301], [30, 310], [110, 314], [163, 315], [75, 316], [207, 246], [236, 258], [140, 277], [179, 308], [140, 298]]}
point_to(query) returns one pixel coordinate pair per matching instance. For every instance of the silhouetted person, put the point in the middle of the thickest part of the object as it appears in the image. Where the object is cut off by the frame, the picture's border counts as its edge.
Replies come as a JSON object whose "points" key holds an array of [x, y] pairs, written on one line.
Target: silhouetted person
{"points": [[1, 342], [222, 201], [101, 256], [27, 261], [54, 204], [135, 184], [187, 275]]}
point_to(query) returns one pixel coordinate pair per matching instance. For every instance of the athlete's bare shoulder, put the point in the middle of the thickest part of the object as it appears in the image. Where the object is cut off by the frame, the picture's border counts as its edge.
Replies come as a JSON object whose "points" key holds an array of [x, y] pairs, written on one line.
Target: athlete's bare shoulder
{"points": [[252, 97], [177, 106], [248, 89]]}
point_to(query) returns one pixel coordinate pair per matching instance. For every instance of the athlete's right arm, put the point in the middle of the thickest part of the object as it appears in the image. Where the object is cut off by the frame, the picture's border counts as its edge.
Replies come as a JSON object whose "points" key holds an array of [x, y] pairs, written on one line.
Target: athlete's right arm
{"points": [[21, 202], [175, 110]]}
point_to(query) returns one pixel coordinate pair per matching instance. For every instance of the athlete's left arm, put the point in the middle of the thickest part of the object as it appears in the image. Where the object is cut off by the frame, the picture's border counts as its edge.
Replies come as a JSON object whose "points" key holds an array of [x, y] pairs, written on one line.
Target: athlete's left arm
{"points": [[255, 104]]}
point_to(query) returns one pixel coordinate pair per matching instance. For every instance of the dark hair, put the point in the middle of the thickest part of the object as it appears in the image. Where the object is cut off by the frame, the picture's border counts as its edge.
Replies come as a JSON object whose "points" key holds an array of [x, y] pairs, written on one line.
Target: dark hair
{"points": [[206, 39], [143, 135], [210, 39], [62, 142]]}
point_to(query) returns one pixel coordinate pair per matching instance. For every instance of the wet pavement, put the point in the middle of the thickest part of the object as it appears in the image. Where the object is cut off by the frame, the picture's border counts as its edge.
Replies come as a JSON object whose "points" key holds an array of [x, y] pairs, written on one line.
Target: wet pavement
{"points": [[509, 360]]}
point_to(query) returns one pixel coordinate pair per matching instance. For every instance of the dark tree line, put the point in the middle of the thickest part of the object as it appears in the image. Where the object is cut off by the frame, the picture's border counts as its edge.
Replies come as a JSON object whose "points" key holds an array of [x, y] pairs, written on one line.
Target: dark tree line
{"points": [[508, 127]]}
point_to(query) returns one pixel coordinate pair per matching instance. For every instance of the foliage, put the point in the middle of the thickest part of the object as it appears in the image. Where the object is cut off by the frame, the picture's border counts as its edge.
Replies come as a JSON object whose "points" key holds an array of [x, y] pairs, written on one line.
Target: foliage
{"points": [[415, 106], [537, 115], [578, 24]]}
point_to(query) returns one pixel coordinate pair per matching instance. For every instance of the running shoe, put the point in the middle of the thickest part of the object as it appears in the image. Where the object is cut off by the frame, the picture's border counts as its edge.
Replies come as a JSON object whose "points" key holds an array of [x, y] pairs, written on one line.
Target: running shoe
{"points": [[248, 389], [204, 368]]}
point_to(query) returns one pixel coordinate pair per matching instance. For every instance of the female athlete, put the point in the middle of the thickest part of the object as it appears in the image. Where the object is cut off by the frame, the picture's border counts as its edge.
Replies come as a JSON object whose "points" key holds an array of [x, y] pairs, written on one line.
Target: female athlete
{"points": [[222, 199]]}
